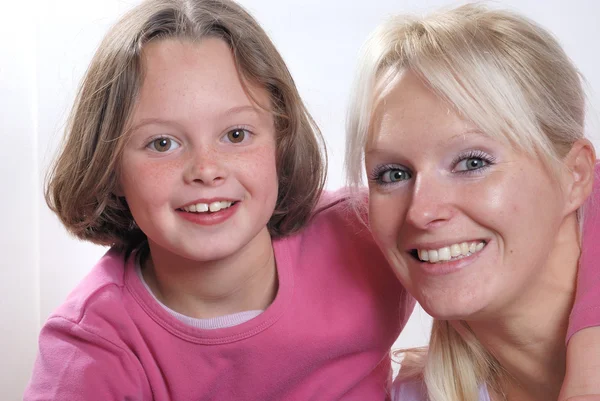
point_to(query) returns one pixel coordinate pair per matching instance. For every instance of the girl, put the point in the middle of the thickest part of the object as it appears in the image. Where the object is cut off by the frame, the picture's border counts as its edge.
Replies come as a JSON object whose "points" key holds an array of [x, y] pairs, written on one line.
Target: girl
{"points": [[471, 122], [230, 276]]}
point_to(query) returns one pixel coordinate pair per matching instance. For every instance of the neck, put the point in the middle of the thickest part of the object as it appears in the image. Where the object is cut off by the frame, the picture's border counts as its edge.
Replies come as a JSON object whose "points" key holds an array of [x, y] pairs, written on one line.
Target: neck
{"points": [[244, 281], [528, 336]]}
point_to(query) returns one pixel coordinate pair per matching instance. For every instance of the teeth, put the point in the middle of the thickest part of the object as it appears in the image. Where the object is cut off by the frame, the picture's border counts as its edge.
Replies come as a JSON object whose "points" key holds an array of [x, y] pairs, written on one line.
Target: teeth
{"points": [[444, 253], [215, 206], [205, 207], [464, 249], [455, 250], [450, 252]]}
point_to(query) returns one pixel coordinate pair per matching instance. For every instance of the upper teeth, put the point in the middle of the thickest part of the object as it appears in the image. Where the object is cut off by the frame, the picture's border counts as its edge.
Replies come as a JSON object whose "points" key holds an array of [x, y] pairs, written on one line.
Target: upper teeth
{"points": [[450, 252], [205, 207]]}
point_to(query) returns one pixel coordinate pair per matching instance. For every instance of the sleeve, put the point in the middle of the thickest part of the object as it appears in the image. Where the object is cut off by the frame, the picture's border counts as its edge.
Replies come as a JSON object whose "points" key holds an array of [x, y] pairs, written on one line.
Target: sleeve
{"points": [[586, 310], [76, 364]]}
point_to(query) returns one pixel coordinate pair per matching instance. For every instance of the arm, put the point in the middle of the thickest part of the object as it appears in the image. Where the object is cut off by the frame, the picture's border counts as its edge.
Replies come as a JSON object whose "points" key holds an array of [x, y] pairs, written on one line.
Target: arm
{"points": [[76, 364], [583, 348]]}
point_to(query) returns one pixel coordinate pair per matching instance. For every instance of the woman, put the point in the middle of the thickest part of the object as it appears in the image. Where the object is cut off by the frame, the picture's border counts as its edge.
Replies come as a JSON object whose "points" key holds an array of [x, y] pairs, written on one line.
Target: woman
{"points": [[471, 122]]}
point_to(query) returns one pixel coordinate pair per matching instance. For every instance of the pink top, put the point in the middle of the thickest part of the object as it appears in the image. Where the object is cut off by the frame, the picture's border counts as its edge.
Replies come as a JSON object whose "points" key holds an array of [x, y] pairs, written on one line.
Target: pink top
{"points": [[326, 336]]}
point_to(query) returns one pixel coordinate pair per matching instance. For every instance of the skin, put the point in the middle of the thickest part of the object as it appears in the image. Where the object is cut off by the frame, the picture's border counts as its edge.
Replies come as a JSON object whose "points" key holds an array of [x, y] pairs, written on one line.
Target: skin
{"points": [[197, 135], [436, 180]]}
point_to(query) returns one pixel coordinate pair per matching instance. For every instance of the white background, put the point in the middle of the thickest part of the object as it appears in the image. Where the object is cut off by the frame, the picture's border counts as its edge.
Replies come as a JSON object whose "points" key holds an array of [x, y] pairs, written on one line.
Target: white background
{"points": [[45, 47]]}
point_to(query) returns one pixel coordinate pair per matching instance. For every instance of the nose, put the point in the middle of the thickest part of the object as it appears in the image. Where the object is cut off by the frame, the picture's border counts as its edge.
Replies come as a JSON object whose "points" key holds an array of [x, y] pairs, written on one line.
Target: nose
{"points": [[205, 166], [431, 202]]}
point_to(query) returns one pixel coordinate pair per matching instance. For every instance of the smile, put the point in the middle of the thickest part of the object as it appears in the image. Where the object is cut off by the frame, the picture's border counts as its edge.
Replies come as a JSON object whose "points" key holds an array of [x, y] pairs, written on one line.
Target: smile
{"points": [[208, 207], [448, 253]]}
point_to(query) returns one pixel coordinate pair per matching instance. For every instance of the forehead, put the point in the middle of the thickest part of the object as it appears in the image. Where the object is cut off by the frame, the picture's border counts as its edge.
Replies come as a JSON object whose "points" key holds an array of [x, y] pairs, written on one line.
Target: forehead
{"points": [[177, 70], [411, 112]]}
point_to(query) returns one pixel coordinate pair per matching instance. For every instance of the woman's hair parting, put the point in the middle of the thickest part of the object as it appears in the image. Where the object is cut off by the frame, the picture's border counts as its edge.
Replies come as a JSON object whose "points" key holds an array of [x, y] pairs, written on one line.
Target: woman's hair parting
{"points": [[81, 184], [508, 76]]}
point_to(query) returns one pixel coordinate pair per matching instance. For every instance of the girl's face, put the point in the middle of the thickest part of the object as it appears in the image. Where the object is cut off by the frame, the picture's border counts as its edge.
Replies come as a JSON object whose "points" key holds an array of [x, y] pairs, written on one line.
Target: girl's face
{"points": [[466, 221], [198, 171]]}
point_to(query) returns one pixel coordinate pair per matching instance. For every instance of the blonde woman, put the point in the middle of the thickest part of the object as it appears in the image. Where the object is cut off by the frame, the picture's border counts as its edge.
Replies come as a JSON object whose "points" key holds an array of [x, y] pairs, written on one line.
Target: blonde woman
{"points": [[471, 125]]}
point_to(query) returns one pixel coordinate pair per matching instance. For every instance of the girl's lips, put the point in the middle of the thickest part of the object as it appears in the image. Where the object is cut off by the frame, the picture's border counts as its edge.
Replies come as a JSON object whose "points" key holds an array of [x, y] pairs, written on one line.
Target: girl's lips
{"points": [[209, 218]]}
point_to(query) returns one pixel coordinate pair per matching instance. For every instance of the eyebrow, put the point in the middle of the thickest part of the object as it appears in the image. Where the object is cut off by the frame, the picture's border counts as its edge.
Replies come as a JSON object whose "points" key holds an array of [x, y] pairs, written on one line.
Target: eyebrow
{"points": [[446, 142], [227, 113], [469, 132]]}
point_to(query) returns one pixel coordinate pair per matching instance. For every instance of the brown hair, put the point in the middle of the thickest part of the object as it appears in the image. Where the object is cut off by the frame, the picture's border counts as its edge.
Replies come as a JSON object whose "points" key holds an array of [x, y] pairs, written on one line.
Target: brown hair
{"points": [[81, 184]]}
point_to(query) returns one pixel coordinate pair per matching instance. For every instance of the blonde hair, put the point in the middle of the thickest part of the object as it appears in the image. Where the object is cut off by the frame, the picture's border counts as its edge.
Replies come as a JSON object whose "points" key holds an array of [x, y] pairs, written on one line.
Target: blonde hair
{"points": [[500, 70], [81, 184], [509, 77]]}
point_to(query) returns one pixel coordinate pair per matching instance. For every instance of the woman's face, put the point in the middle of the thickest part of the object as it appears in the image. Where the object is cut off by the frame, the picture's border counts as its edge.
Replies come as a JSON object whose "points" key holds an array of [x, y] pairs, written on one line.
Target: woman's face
{"points": [[466, 221]]}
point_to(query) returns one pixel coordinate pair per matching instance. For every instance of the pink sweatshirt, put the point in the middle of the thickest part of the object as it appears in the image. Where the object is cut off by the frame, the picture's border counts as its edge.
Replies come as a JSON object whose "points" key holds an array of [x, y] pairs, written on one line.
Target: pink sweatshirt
{"points": [[326, 336]]}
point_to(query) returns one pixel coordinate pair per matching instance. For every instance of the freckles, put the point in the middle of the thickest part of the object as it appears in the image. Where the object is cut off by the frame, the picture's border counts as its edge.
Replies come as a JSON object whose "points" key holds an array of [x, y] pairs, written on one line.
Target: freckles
{"points": [[149, 180], [160, 174], [261, 161]]}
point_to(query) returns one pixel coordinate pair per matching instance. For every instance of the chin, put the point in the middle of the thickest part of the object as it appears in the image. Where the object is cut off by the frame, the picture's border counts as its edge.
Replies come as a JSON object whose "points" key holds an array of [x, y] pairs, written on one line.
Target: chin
{"points": [[462, 306]]}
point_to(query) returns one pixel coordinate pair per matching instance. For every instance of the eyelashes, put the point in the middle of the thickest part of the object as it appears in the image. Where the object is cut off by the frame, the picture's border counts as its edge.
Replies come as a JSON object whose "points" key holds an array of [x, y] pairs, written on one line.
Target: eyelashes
{"points": [[388, 174], [164, 143], [465, 163], [376, 173], [483, 161]]}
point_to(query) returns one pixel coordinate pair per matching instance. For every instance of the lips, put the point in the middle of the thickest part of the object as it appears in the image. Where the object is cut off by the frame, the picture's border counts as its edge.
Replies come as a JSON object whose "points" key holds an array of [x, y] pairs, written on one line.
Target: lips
{"points": [[209, 213], [212, 207]]}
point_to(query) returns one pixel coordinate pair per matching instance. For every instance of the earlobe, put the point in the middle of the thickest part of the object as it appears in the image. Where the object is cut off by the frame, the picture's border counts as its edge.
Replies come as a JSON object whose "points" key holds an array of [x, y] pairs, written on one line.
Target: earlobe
{"points": [[580, 163]]}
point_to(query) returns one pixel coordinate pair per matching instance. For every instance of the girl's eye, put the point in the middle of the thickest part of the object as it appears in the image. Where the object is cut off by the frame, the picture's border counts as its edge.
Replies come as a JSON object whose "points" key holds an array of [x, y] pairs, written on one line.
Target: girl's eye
{"points": [[471, 163], [394, 175], [163, 145], [237, 135]]}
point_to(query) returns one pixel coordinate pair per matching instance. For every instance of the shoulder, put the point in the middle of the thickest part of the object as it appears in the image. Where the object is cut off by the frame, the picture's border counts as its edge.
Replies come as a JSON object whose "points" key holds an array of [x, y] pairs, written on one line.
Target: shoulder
{"points": [[84, 346], [96, 310], [101, 287], [342, 198], [344, 208], [339, 224]]}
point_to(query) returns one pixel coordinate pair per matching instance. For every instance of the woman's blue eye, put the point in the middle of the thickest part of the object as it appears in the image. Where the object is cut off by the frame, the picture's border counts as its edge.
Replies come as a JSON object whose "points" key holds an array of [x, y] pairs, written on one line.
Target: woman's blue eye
{"points": [[163, 145], [470, 164], [394, 175]]}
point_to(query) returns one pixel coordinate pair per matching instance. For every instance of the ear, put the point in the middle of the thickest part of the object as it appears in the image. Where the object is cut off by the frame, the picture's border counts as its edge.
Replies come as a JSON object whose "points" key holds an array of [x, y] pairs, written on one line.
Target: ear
{"points": [[580, 163]]}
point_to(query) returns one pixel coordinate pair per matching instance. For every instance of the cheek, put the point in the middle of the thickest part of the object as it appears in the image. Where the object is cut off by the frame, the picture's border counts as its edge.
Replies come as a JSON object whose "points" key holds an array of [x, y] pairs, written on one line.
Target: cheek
{"points": [[147, 181], [266, 164], [386, 213], [257, 168], [522, 209]]}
